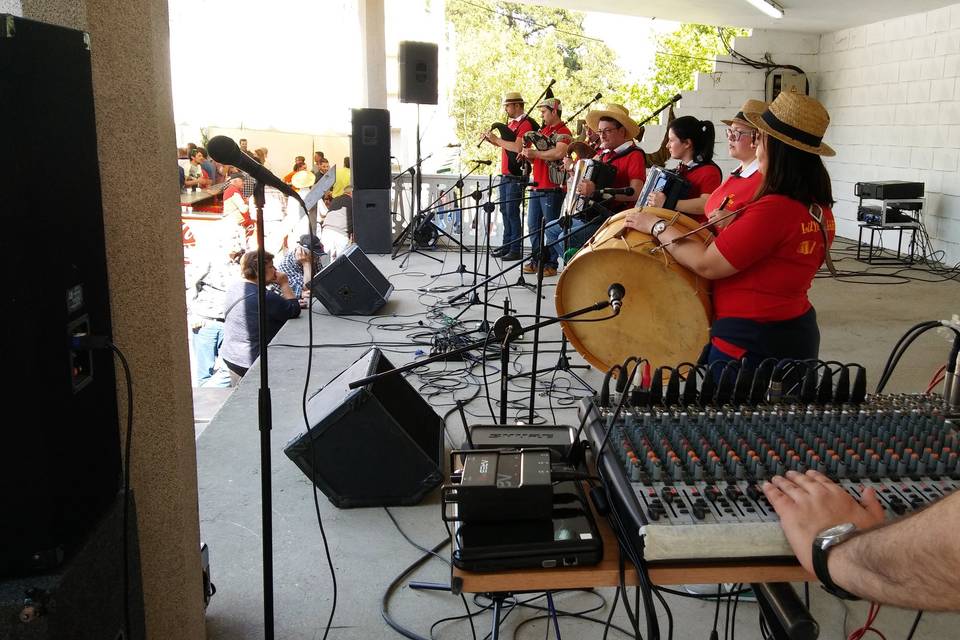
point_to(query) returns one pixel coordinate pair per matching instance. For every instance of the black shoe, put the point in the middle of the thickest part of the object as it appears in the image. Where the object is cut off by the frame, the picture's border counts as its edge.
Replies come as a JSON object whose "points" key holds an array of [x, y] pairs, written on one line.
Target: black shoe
{"points": [[498, 252], [513, 257]]}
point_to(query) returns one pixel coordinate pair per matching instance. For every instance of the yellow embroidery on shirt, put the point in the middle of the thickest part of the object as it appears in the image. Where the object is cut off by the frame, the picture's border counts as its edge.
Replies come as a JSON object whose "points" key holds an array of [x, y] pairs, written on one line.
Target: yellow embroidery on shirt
{"points": [[808, 227], [806, 247]]}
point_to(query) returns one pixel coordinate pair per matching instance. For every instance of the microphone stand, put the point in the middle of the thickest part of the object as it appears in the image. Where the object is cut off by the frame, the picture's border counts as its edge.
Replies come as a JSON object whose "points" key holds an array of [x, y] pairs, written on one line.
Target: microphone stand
{"points": [[536, 332], [506, 329], [461, 269], [265, 415]]}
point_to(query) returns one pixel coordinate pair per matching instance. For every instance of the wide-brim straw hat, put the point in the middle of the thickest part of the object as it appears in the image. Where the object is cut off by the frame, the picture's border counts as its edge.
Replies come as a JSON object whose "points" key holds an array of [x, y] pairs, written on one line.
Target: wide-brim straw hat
{"points": [[796, 120], [512, 97], [303, 179], [750, 106], [615, 112]]}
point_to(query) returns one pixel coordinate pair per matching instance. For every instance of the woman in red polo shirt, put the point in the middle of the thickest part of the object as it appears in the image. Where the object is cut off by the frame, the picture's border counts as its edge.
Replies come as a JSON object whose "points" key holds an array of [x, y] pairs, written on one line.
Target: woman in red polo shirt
{"points": [[763, 263], [741, 185], [691, 142]]}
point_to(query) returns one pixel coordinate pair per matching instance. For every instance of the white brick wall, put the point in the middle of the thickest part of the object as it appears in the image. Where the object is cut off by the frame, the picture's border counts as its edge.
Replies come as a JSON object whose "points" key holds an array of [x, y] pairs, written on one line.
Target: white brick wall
{"points": [[899, 117], [893, 92]]}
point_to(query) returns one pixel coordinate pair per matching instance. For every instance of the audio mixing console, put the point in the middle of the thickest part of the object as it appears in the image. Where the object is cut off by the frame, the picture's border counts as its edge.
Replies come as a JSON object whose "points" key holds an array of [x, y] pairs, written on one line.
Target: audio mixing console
{"points": [[686, 480]]}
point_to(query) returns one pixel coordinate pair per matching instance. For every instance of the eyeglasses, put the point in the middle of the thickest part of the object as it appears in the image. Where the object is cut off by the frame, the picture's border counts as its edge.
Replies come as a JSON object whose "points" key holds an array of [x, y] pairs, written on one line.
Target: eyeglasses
{"points": [[734, 135], [607, 130]]}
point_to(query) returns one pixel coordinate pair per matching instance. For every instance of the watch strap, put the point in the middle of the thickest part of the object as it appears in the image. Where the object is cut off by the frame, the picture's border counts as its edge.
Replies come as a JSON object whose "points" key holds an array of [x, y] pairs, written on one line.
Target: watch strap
{"points": [[820, 555]]}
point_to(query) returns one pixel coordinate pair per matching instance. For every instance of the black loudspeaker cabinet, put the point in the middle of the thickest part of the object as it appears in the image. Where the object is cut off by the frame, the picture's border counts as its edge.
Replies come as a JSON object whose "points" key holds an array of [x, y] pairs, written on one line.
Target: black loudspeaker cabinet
{"points": [[372, 220], [418, 72], [351, 285], [370, 149], [375, 446], [59, 444], [83, 599]]}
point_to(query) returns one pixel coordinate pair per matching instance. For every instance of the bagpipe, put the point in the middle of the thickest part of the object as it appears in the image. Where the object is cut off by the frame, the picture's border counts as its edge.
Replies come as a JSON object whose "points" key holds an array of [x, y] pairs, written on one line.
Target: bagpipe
{"points": [[516, 165], [540, 142]]}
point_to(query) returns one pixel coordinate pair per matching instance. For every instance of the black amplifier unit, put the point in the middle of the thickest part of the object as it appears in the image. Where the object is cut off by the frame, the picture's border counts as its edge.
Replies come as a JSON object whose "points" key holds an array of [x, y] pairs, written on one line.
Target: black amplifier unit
{"points": [[889, 190], [495, 485]]}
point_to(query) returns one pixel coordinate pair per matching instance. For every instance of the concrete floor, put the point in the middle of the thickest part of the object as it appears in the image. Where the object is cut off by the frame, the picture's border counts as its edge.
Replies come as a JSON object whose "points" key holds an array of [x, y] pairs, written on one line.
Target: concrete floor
{"points": [[860, 322]]}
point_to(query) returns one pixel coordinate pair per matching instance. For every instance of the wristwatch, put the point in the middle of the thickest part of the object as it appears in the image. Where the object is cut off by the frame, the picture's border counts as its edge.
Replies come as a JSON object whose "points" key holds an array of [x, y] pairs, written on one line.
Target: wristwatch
{"points": [[826, 540], [658, 227]]}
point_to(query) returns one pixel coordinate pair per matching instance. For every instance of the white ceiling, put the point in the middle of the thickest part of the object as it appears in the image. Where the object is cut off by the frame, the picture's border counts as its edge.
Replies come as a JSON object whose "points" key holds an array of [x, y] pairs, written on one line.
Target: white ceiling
{"points": [[811, 16]]}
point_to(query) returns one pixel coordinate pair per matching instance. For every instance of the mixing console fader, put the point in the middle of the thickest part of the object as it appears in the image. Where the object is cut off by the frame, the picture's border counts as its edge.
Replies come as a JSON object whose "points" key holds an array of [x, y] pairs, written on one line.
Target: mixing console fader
{"points": [[686, 481]]}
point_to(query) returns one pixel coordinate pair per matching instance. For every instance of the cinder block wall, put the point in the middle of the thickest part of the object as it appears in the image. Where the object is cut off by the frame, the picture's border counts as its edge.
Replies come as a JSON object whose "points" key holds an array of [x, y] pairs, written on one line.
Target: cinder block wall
{"points": [[893, 91]]}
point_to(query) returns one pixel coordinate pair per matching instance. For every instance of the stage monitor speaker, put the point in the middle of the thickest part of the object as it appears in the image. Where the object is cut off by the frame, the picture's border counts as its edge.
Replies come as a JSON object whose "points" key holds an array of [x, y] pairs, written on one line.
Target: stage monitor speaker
{"points": [[418, 72], [372, 220], [370, 149], [60, 444], [83, 599], [351, 285], [376, 446]]}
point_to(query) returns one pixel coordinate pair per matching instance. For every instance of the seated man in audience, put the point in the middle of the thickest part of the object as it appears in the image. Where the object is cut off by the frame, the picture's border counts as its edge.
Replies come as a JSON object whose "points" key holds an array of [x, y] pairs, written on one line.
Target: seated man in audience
{"points": [[301, 263], [336, 225], [196, 176]]}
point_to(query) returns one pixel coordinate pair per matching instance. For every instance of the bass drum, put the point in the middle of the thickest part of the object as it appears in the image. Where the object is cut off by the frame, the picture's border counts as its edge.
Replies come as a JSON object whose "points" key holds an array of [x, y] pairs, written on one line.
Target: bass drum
{"points": [[666, 310]]}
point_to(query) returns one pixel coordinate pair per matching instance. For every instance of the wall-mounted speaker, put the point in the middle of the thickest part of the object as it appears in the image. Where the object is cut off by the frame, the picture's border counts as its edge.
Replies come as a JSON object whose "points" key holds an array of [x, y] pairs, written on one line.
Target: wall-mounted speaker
{"points": [[379, 445]]}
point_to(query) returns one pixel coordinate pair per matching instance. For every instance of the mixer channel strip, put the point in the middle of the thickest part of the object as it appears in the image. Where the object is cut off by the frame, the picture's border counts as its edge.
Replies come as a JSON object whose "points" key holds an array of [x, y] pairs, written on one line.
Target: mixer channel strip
{"points": [[687, 481]]}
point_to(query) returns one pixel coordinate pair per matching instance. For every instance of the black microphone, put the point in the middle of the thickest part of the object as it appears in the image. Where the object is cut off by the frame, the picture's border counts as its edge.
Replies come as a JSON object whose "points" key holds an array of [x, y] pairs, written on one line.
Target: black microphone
{"points": [[487, 162], [622, 191], [225, 151], [616, 293]]}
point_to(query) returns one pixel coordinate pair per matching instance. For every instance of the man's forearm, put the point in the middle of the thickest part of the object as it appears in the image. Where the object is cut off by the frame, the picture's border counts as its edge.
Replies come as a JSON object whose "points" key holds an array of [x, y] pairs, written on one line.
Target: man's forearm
{"points": [[913, 562]]}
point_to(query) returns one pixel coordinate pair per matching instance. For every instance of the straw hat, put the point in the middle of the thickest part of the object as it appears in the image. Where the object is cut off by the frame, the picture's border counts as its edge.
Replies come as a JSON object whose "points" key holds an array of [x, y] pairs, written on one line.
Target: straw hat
{"points": [[512, 97], [303, 179], [750, 106], [796, 120], [615, 112]]}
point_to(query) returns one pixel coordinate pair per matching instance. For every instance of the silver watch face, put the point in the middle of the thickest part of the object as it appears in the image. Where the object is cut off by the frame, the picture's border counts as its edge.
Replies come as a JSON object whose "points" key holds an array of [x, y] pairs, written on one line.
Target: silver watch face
{"points": [[837, 531]]}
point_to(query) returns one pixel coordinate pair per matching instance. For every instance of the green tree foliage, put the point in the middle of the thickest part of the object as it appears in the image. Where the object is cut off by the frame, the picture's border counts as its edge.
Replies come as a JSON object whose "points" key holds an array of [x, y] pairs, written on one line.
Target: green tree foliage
{"points": [[505, 47], [680, 55]]}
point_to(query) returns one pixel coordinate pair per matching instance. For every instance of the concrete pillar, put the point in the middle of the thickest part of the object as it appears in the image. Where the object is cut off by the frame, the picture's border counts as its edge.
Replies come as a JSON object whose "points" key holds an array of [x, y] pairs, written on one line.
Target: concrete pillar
{"points": [[373, 46], [136, 146]]}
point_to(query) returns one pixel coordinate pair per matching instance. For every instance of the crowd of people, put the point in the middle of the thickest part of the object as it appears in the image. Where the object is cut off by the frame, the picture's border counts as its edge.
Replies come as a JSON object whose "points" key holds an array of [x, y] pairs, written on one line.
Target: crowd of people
{"points": [[221, 277]]}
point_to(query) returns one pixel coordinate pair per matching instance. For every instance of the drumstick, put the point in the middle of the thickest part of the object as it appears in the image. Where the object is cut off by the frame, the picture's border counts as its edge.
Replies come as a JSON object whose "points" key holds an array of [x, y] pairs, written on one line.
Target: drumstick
{"points": [[705, 225]]}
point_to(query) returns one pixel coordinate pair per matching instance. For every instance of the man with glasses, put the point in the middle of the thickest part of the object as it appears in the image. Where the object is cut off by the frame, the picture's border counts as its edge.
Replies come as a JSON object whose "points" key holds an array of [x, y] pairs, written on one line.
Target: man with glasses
{"points": [[741, 185], [617, 131]]}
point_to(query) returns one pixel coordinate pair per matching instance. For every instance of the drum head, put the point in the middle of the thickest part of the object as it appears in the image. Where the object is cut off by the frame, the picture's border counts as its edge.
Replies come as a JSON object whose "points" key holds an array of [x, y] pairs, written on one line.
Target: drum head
{"points": [[665, 316]]}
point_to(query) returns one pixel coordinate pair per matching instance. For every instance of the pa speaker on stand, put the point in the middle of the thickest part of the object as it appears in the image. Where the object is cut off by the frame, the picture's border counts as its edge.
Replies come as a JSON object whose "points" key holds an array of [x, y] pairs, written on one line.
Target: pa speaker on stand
{"points": [[418, 72], [375, 446]]}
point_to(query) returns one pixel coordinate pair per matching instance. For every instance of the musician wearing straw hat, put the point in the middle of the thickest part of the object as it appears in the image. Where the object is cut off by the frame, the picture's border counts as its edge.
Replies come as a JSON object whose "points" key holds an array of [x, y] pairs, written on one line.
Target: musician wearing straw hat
{"points": [[616, 131], [547, 196], [742, 184], [764, 262], [511, 184]]}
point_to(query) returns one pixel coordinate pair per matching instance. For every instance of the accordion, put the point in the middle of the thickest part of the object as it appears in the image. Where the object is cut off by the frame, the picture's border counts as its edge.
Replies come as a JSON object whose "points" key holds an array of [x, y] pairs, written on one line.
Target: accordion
{"points": [[670, 183], [600, 173]]}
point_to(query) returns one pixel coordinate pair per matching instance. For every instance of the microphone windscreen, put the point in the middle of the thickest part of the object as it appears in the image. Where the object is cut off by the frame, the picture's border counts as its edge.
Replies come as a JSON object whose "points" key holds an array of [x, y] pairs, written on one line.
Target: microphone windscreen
{"points": [[224, 150]]}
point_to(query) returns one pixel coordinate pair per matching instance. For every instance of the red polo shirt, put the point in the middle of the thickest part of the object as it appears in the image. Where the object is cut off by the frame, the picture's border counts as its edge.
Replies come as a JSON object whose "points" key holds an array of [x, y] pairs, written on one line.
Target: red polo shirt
{"points": [[740, 189], [703, 178], [519, 126], [777, 248], [630, 165], [541, 175]]}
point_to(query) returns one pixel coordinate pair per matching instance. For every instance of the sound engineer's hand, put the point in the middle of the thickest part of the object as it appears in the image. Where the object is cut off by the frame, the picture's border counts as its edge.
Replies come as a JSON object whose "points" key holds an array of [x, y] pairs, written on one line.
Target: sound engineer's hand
{"points": [[809, 503]]}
